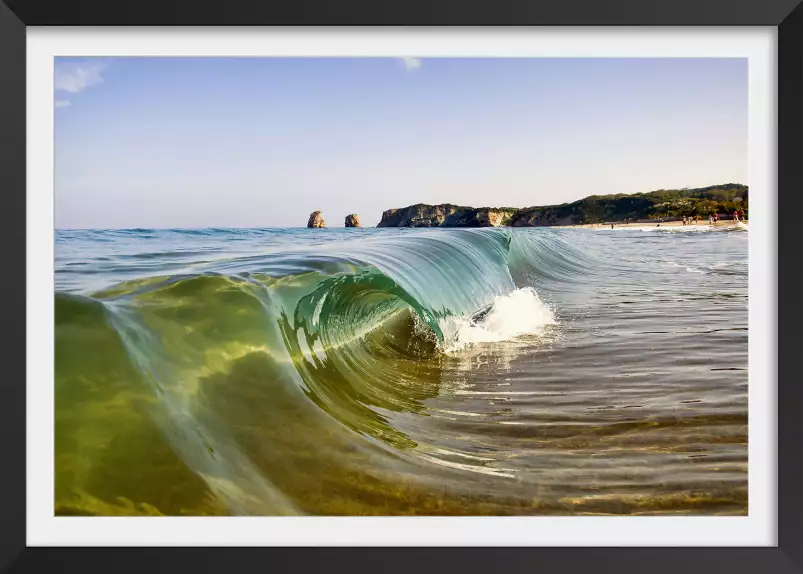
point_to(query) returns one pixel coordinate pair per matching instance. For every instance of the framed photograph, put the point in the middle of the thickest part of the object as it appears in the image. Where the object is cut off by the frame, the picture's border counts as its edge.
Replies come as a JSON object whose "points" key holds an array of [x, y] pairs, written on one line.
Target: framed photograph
{"points": [[487, 286]]}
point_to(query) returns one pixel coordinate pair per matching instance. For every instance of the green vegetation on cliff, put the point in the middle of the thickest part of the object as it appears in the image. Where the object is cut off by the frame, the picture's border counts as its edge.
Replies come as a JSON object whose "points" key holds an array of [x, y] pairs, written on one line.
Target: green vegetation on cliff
{"points": [[659, 204]]}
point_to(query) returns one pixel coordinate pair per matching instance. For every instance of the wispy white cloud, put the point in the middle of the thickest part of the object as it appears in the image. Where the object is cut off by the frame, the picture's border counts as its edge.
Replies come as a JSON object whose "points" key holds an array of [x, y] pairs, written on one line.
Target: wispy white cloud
{"points": [[62, 103], [75, 77], [411, 64]]}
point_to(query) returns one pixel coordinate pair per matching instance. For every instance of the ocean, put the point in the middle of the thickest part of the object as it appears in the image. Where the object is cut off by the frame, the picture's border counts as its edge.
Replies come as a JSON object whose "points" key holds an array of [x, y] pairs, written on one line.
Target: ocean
{"points": [[491, 371]]}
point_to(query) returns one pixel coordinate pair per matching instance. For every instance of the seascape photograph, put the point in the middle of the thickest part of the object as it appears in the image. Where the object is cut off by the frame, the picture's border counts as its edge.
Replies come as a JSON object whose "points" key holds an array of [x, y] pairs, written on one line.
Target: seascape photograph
{"points": [[401, 286]]}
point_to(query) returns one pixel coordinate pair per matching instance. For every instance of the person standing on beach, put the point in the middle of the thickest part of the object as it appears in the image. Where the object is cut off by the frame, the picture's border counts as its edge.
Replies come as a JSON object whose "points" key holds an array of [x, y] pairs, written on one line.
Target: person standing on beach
{"points": [[710, 219], [736, 215]]}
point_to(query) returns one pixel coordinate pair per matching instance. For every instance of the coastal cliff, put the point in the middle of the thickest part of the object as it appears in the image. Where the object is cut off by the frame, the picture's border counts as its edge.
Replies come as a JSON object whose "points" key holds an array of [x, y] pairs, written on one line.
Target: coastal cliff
{"points": [[661, 203], [446, 215]]}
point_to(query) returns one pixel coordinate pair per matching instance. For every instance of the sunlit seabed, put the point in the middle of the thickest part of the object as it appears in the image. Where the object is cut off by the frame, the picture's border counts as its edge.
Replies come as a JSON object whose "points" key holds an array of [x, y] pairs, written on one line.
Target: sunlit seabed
{"points": [[401, 371]]}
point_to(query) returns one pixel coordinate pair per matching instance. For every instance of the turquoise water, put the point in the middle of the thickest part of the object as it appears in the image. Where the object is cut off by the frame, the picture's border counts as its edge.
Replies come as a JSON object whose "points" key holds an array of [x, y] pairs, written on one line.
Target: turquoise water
{"points": [[401, 371]]}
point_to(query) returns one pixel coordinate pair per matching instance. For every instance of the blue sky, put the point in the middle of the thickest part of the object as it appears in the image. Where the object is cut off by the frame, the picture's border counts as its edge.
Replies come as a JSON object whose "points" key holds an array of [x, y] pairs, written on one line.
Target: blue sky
{"points": [[262, 142]]}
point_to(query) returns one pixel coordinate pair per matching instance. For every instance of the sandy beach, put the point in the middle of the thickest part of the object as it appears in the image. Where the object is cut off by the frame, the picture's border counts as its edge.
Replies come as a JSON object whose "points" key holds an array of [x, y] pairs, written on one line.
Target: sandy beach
{"points": [[727, 223]]}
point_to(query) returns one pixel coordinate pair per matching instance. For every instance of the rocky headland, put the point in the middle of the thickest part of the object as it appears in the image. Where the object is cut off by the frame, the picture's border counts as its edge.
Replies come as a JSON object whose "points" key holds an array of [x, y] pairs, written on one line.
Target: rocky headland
{"points": [[662, 203], [353, 220], [446, 215]]}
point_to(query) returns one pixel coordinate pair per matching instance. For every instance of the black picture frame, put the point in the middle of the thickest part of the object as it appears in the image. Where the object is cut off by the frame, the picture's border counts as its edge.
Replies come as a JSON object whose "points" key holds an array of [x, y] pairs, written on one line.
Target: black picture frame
{"points": [[787, 15]]}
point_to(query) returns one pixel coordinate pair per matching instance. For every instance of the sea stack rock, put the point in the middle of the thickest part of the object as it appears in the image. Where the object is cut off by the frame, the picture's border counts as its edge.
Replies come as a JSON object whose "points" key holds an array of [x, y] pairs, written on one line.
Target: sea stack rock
{"points": [[353, 220], [316, 219]]}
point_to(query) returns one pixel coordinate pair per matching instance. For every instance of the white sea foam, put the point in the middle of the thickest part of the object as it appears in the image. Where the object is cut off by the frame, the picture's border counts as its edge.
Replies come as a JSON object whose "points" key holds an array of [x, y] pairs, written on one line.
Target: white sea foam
{"points": [[702, 228], [688, 268], [680, 229], [519, 313]]}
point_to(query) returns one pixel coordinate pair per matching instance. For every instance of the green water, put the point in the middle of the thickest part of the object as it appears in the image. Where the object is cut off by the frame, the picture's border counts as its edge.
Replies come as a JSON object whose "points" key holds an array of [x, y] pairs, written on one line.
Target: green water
{"points": [[395, 372]]}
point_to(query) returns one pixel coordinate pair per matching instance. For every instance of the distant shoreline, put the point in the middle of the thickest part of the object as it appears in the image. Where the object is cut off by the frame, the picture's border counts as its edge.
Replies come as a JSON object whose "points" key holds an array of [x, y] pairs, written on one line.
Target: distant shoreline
{"points": [[674, 223], [666, 204]]}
